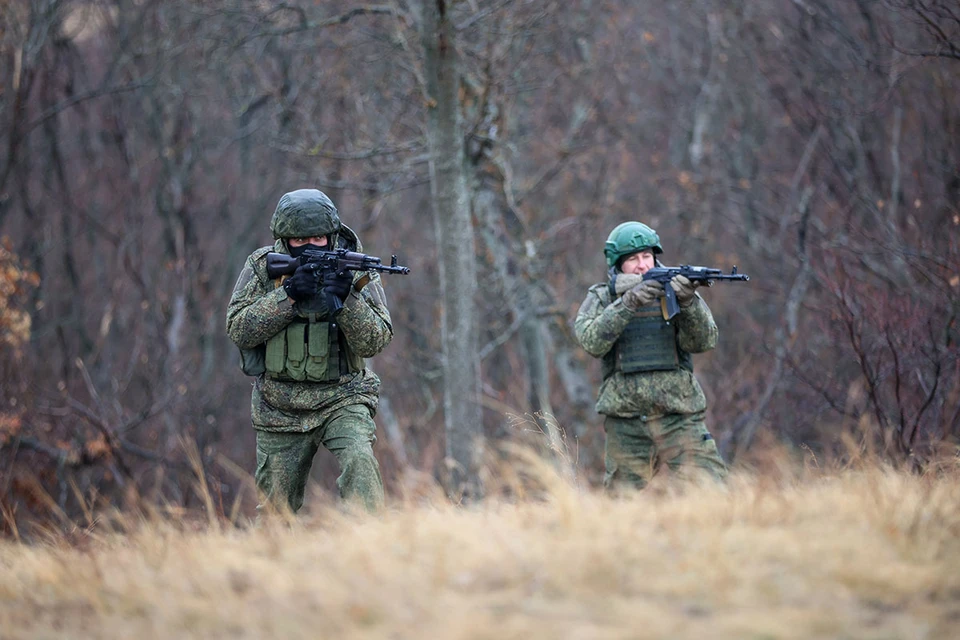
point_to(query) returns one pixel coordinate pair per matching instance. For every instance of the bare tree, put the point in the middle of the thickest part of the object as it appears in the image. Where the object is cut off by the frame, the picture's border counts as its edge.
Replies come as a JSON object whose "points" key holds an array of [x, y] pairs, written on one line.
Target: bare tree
{"points": [[455, 243]]}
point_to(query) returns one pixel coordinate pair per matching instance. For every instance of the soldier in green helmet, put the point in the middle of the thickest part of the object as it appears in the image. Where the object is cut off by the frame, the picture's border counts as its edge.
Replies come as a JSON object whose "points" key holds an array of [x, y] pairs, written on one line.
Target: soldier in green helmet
{"points": [[653, 404], [312, 387]]}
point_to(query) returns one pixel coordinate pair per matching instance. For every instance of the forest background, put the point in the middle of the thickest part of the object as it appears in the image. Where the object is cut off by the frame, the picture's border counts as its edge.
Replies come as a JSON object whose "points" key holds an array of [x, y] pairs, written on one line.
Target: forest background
{"points": [[491, 146]]}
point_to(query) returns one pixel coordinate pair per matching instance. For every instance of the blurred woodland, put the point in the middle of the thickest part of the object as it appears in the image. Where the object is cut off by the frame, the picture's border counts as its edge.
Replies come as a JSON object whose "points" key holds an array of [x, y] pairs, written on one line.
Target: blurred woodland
{"points": [[491, 145]]}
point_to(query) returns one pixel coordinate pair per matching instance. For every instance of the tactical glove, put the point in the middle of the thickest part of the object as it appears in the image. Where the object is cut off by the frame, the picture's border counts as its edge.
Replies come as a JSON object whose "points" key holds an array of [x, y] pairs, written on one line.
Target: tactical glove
{"points": [[338, 284], [642, 295], [685, 290], [302, 284], [626, 281]]}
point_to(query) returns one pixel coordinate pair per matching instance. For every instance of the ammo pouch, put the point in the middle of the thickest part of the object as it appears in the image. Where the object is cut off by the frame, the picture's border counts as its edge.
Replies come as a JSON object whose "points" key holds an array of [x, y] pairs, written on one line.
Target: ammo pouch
{"points": [[649, 343], [305, 351]]}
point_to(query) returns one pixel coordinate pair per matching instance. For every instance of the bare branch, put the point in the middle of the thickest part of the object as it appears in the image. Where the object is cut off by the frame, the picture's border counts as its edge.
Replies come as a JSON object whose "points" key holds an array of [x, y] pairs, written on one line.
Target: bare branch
{"points": [[897, 386], [362, 154], [934, 54], [480, 15], [308, 25], [84, 97]]}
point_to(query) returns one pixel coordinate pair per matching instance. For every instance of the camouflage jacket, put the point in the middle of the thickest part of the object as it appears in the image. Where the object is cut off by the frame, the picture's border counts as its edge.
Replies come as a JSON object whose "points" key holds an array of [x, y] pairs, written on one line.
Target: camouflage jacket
{"points": [[654, 393], [259, 308]]}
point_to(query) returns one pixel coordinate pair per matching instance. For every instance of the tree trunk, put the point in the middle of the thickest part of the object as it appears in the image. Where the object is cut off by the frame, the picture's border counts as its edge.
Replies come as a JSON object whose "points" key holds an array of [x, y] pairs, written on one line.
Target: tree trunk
{"points": [[454, 230]]}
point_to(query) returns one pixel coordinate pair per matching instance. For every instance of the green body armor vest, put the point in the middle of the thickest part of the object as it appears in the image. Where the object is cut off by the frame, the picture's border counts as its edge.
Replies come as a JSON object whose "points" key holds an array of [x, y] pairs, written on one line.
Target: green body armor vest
{"points": [[649, 343]]}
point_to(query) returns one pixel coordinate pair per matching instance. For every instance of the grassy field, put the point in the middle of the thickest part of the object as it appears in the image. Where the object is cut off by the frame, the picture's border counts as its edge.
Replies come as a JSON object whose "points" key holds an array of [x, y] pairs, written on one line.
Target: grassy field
{"points": [[856, 554]]}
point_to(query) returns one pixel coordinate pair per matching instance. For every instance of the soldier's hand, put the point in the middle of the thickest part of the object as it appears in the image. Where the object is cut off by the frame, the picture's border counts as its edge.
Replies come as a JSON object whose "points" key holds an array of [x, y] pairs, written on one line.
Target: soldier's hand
{"points": [[642, 295], [626, 281], [338, 284], [685, 289], [302, 284]]}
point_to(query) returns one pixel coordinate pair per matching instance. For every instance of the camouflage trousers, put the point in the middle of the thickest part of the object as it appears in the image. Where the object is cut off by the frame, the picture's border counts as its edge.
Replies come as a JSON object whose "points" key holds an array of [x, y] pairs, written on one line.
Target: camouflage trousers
{"points": [[284, 460], [637, 448]]}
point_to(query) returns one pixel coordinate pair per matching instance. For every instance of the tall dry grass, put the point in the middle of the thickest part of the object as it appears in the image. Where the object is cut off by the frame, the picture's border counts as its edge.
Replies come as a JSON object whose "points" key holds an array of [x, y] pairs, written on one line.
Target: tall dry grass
{"points": [[864, 553]]}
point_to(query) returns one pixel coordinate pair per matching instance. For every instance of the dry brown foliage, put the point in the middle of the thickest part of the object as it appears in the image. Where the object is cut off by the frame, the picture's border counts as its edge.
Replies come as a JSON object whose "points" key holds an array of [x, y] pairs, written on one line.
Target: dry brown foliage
{"points": [[804, 553]]}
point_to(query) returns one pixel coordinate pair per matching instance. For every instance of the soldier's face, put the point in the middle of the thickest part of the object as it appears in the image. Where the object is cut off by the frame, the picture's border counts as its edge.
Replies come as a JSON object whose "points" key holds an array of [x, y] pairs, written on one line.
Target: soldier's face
{"points": [[638, 263], [319, 241]]}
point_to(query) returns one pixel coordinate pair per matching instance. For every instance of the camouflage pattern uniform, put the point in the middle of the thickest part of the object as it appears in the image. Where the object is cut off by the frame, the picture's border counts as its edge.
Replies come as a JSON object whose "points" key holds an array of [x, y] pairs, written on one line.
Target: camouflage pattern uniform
{"points": [[294, 418], [652, 417]]}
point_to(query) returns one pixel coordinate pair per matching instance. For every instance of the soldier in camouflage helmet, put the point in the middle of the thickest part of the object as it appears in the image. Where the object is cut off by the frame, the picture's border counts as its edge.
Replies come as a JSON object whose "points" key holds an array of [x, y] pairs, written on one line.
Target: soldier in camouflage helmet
{"points": [[653, 404], [311, 385]]}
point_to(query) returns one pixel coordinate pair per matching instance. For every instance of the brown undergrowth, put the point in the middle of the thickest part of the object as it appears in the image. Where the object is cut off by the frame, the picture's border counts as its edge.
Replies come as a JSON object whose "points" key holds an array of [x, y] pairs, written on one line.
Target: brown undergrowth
{"points": [[867, 552]]}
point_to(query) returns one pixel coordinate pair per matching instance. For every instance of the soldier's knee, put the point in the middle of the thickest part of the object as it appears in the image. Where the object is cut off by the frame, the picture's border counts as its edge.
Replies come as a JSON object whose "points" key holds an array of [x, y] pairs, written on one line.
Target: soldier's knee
{"points": [[358, 456], [706, 461], [360, 478], [620, 476]]}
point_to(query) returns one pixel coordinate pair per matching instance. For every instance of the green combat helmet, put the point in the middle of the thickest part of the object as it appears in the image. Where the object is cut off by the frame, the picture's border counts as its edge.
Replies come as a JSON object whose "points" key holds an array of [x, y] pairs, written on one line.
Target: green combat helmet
{"points": [[628, 238], [305, 213]]}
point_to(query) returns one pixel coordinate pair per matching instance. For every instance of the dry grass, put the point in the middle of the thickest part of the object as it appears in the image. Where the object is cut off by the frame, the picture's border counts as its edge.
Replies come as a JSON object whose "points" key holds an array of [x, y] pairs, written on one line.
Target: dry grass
{"points": [[860, 554]]}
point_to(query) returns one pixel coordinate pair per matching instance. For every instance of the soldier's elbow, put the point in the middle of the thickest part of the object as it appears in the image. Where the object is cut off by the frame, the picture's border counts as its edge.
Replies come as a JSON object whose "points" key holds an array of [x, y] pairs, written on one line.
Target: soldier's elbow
{"points": [[712, 338], [368, 351], [244, 343], [370, 348], [701, 346], [241, 338], [596, 350]]}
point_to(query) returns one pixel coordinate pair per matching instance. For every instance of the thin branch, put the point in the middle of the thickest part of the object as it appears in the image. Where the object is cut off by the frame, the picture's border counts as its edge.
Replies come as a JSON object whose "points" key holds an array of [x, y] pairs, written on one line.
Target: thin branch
{"points": [[83, 97], [72, 458], [65, 456], [834, 404], [938, 368], [869, 373], [348, 185], [480, 15], [362, 154], [547, 174], [308, 25], [934, 54], [100, 422], [502, 338], [937, 31], [898, 384]]}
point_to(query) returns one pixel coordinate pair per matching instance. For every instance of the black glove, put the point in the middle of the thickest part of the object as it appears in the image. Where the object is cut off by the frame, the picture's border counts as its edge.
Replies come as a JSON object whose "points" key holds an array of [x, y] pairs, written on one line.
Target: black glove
{"points": [[302, 284], [338, 284]]}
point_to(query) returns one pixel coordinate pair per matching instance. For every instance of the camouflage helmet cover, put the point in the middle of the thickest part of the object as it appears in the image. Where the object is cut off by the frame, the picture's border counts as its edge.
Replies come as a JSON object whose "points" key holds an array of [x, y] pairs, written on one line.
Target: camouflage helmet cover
{"points": [[304, 213], [630, 237]]}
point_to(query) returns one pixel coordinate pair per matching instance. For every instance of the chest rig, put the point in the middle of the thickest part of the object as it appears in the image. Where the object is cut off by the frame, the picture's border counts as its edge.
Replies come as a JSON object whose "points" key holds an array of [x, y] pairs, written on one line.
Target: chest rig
{"points": [[648, 343], [311, 348]]}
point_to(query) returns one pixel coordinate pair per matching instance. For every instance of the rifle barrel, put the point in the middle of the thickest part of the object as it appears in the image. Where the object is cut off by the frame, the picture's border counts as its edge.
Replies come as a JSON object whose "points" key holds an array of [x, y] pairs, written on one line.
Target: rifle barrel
{"points": [[736, 276]]}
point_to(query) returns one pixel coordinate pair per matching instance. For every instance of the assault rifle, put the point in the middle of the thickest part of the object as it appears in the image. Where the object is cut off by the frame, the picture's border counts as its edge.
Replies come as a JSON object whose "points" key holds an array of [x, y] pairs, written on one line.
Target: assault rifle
{"points": [[337, 261], [668, 304]]}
